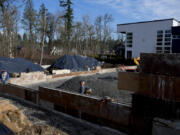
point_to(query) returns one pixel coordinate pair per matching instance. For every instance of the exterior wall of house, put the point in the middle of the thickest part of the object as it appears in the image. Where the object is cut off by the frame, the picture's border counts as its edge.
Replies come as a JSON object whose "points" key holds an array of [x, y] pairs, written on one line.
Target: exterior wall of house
{"points": [[176, 23], [145, 35]]}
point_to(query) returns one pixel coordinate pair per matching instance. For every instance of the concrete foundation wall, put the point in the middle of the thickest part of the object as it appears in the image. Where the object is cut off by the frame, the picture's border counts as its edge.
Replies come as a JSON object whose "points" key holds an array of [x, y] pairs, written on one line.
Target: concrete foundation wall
{"points": [[114, 114], [92, 109], [20, 92]]}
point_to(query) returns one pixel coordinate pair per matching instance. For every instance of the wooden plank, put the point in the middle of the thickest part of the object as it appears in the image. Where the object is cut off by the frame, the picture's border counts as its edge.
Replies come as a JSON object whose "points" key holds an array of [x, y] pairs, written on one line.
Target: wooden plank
{"points": [[159, 86], [128, 81], [75, 73]]}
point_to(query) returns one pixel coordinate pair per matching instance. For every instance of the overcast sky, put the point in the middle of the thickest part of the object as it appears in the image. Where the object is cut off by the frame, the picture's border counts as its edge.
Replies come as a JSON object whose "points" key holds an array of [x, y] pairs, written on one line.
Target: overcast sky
{"points": [[123, 11]]}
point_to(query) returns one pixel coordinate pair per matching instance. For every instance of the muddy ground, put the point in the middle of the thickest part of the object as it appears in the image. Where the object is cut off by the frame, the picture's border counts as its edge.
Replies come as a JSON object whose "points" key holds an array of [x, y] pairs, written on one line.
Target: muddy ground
{"points": [[51, 123]]}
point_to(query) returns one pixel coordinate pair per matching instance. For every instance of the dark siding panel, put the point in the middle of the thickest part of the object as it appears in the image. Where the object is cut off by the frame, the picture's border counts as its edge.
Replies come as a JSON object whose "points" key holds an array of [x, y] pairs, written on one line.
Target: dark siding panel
{"points": [[176, 30], [176, 46]]}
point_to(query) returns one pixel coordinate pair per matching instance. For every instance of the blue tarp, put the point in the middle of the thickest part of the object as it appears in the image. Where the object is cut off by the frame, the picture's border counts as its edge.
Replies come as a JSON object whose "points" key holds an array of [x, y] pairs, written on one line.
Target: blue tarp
{"points": [[75, 63], [5, 130], [18, 65]]}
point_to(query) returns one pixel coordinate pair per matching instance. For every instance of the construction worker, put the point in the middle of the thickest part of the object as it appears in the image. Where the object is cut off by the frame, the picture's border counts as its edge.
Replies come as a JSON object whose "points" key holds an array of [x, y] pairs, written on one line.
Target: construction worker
{"points": [[4, 77], [84, 89]]}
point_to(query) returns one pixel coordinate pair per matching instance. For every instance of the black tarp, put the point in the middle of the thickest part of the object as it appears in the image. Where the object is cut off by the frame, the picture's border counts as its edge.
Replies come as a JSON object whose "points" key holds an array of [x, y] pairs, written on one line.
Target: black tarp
{"points": [[5, 130], [75, 63], [18, 65]]}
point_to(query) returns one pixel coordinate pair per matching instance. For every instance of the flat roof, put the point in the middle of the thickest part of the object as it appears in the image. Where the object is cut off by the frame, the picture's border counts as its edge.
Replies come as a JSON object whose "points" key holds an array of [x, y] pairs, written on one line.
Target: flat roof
{"points": [[149, 21]]}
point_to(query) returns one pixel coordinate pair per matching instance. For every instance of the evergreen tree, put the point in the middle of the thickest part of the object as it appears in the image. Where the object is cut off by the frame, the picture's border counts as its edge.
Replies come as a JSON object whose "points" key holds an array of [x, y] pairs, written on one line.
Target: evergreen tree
{"points": [[68, 16], [42, 28], [29, 20], [51, 26], [25, 37]]}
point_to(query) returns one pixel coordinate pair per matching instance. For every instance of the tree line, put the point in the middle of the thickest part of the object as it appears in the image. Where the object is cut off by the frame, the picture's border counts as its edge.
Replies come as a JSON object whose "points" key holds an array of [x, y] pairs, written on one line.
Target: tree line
{"points": [[46, 33]]}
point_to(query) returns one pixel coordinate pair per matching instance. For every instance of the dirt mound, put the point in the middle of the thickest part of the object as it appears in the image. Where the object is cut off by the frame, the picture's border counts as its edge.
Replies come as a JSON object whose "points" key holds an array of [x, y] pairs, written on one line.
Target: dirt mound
{"points": [[17, 122], [41, 130], [12, 117], [101, 86]]}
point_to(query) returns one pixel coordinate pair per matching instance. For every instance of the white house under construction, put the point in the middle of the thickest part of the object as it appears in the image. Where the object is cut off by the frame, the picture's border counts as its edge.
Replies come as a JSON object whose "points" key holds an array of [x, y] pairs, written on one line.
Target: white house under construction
{"points": [[157, 36]]}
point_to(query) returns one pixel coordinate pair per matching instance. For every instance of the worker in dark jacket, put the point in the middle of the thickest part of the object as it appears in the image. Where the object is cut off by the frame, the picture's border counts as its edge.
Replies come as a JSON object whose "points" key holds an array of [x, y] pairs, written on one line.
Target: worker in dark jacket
{"points": [[4, 77]]}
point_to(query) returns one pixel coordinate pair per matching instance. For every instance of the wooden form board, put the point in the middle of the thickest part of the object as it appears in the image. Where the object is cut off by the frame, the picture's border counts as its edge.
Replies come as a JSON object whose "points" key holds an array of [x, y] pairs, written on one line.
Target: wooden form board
{"points": [[20, 92], [128, 81], [160, 86]]}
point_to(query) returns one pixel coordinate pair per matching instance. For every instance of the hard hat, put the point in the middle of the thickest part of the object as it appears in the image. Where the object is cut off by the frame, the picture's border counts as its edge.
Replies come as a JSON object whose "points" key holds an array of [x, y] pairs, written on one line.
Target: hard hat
{"points": [[3, 70]]}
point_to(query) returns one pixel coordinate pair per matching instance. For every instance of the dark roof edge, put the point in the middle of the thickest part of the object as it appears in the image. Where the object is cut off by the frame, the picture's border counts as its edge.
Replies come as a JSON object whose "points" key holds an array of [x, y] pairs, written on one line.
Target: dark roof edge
{"points": [[149, 21]]}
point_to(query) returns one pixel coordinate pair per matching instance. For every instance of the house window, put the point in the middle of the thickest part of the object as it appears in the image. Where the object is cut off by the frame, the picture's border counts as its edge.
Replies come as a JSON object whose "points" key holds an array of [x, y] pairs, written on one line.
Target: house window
{"points": [[159, 48], [163, 41], [167, 41], [167, 31], [158, 44], [129, 54], [158, 51], [159, 41], [129, 39], [159, 32]]}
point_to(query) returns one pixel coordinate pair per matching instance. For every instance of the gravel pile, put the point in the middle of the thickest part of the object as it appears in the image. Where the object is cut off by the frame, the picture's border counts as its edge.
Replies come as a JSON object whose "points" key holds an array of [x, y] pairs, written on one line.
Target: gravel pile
{"points": [[101, 85]]}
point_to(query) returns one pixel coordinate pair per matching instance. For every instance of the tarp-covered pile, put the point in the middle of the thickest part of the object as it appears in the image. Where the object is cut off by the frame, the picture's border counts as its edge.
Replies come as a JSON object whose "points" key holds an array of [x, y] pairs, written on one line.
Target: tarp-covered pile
{"points": [[75, 63], [18, 65]]}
